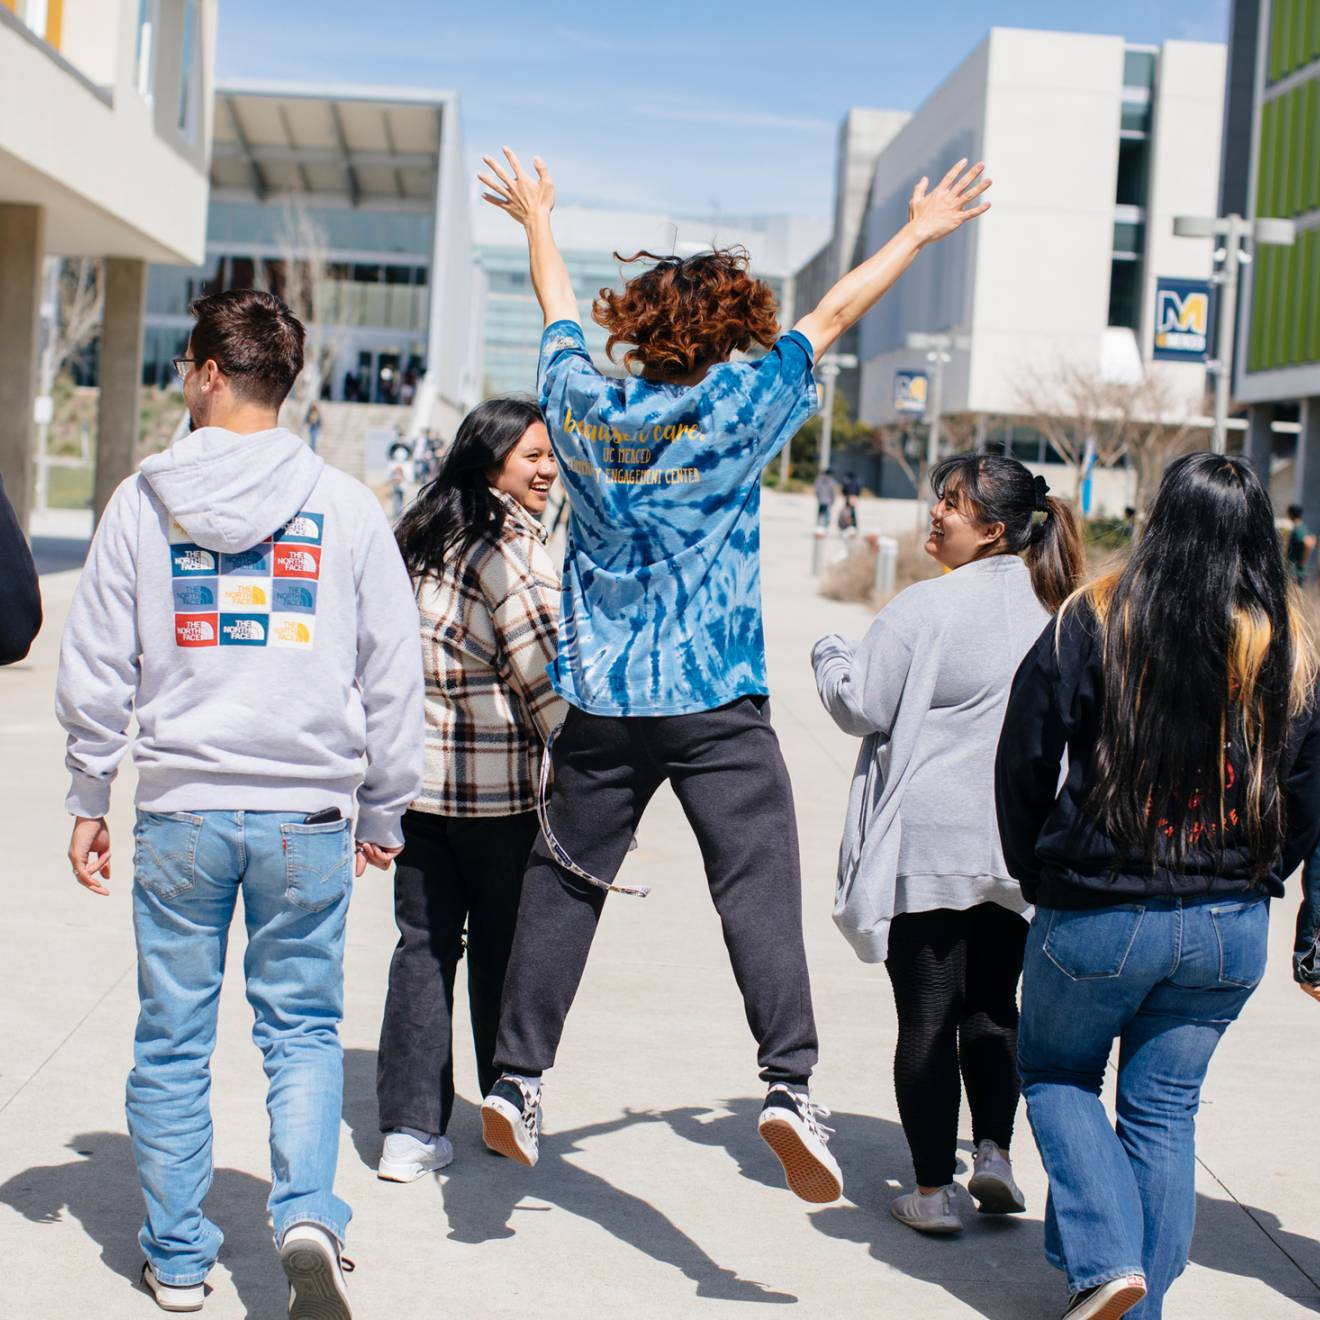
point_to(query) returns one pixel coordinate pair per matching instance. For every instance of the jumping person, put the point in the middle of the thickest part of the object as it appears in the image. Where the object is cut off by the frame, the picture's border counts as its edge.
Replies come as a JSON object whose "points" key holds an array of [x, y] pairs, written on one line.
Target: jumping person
{"points": [[923, 885], [661, 653], [1183, 691], [488, 594], [248, 604]]}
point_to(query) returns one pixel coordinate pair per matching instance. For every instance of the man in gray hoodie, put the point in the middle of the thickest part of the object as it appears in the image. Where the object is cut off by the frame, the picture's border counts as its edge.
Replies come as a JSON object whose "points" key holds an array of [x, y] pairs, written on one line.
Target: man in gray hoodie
{"points": [[248, 604]]}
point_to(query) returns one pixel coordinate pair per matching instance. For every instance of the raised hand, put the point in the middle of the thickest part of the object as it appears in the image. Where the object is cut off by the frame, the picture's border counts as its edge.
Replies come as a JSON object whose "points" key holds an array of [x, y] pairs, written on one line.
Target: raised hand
{"points": [[936, 214], [516, 192]]}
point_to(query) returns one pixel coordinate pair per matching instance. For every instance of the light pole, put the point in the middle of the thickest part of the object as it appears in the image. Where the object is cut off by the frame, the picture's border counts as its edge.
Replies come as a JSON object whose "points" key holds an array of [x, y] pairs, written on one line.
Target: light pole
{"points": [[829, 367], [1232, 230], [938, 349]]}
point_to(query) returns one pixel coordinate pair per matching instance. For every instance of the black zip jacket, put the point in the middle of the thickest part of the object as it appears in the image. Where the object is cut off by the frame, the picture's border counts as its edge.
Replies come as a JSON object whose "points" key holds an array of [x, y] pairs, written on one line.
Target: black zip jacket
{"points": [[20, 596], [1052, 849]]}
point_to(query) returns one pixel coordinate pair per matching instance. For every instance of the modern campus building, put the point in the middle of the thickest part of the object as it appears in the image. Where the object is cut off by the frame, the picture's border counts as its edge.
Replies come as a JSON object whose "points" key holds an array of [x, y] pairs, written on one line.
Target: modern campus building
{"points": [[105, 110], [351, 203], [589, 238], [1272, 169], [1095, 146]]}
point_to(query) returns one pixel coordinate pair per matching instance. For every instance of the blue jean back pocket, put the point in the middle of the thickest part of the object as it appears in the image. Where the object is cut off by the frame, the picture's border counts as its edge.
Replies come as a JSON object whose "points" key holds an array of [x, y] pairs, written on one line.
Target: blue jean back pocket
{"points": [[1092, 944], [318, 862], [1242, 932], [165, 851]]}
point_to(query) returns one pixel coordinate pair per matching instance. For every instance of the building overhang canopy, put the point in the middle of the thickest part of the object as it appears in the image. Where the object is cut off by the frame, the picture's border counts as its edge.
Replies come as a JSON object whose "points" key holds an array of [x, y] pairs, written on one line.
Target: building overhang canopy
{"points": [[362, 145]]}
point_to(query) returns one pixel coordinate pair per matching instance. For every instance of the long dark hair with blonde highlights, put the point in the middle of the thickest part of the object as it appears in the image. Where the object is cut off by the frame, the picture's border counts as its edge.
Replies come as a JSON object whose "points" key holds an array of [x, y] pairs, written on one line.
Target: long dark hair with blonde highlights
{"points": [[687, 312], [1207, 660]]}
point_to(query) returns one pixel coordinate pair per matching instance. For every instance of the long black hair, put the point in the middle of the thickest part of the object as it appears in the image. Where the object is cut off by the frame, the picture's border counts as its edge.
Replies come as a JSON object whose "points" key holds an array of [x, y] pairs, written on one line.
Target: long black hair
{"points": [[459, 506], [1206, 662], [993, 488]]}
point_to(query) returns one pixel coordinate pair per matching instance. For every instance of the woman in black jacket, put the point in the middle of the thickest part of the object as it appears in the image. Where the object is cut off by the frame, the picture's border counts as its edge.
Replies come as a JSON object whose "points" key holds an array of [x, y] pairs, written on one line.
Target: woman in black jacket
{"points": [[20, 594], [1183, 690]]}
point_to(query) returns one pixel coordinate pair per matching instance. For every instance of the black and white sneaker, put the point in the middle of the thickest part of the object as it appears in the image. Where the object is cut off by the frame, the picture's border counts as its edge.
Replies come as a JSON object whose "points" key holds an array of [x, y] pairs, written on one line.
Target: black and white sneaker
{"points": [[1108, 1301], [511, 1120], [789, 1124], [315, 1270]]}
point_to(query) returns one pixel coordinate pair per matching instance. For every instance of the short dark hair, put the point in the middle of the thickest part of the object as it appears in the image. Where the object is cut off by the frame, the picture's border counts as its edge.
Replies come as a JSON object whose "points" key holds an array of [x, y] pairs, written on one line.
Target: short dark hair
{"points": [[253, 338], [1295, 511]]}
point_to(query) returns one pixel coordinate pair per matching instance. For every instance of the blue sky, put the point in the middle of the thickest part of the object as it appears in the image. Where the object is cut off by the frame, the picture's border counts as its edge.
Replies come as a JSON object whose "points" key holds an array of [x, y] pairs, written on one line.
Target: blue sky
{"points": [[704, 107]]}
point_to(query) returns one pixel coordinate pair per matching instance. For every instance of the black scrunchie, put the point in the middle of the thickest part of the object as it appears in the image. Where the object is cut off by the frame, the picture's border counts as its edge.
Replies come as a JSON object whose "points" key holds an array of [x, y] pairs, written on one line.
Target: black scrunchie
{"points": [[1040, 495]]}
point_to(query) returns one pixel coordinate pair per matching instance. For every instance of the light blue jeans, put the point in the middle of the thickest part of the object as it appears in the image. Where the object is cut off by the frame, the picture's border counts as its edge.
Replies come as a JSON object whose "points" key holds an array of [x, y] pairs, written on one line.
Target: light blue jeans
{"points": [[296, 879], [1165, 977]]}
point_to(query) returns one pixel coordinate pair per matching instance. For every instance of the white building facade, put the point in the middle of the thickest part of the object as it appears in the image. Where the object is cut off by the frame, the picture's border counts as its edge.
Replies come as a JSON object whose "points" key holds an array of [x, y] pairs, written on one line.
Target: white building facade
{"points": [[1094, 146], [105, 129]]}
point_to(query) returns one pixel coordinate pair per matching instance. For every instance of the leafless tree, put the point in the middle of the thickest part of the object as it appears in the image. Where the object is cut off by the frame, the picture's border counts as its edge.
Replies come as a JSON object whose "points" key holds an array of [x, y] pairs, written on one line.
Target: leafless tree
{"points": [[78, 315]]}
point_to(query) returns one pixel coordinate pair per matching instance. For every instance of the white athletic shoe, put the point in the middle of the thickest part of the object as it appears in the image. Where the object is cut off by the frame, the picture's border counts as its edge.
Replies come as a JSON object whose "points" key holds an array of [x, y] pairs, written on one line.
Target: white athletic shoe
{"points": [[790, 1125], [315, 1270], [992, 1184], [405, 1158], [511, 1120], [173, 1296], [936, 1213]]}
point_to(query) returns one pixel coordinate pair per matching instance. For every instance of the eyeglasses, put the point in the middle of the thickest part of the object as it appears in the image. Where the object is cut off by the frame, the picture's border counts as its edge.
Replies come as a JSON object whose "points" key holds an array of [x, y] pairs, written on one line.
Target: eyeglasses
{"points": [[180, 365]]}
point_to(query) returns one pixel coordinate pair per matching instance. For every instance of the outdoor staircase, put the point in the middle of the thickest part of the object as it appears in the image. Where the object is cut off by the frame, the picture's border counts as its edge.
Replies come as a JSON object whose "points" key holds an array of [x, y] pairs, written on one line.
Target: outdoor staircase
{"points": [[344, 427]]}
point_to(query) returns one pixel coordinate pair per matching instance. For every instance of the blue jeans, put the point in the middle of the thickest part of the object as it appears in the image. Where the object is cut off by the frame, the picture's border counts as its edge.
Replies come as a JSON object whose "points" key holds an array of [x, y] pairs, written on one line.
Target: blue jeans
{"points": [[1165, 977], [296, 880]]}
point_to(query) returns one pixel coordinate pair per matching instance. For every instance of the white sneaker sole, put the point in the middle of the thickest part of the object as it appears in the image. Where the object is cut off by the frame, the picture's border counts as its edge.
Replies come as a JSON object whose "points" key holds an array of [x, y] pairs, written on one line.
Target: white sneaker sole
{"points": [[809, 1177], [993, 1196], [406, 1171], [160, 1294], [499, 1130], [941, 1226], [1114, 1300], [318, 1293]]}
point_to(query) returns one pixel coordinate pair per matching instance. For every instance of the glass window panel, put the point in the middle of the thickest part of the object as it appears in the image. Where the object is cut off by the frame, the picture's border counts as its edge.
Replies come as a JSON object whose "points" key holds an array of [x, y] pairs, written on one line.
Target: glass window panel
{"points": [[1139, 68], [1136, 117], [1133, 157]]}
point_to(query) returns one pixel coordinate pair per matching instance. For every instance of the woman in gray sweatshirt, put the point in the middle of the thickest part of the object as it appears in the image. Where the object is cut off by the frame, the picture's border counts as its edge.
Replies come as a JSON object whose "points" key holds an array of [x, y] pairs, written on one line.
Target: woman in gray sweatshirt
{"points": [[922, 882]]}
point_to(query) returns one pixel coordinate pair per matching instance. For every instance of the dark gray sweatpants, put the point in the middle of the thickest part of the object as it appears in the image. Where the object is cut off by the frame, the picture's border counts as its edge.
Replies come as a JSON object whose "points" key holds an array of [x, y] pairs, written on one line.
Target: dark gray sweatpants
{"points": [[728, 774]]}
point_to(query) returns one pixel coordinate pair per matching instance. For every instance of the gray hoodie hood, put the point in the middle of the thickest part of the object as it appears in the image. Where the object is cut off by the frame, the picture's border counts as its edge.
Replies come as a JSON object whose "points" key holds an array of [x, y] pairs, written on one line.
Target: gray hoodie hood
{"points": [[230, 491]]}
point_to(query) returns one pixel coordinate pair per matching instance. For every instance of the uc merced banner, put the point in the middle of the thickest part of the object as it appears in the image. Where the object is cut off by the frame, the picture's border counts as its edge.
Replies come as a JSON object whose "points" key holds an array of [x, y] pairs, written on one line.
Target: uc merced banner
{"points": [[1182, 320]]}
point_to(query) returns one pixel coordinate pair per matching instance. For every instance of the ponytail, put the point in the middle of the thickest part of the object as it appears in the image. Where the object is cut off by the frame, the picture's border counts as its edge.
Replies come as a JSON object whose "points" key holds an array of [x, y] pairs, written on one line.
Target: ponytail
{"points": [[1054, 553]]}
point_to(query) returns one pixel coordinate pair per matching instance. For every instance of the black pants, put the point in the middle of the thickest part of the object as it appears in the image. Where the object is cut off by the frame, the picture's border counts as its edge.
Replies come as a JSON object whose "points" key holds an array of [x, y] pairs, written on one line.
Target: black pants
{"points": [[955, 978], [452, 870], [729, 777]]}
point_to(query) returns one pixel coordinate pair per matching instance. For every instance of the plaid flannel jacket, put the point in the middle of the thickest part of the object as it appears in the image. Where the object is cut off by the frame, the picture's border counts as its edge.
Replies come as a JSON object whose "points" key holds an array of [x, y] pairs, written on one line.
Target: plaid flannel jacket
{"points": [[489, 629]]}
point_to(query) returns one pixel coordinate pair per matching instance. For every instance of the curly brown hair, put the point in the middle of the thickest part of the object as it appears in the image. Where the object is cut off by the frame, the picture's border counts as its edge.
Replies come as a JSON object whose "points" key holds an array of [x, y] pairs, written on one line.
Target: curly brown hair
{"points": [[687, 312]]}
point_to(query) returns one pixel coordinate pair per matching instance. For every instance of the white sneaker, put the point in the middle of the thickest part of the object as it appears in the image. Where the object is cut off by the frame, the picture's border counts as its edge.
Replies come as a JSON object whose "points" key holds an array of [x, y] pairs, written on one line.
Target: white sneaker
{"points": [[789, 1125], [173, 1296], [1109, 1301], [315, 1270], [511, 1120], [992, 1184], [405, 1158], [936, 1213]]}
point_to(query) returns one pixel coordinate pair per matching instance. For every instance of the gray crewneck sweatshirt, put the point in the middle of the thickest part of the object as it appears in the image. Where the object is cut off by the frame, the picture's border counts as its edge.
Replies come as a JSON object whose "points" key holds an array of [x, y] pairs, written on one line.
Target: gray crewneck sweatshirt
{"points": [[249, 605], [925, 690]]}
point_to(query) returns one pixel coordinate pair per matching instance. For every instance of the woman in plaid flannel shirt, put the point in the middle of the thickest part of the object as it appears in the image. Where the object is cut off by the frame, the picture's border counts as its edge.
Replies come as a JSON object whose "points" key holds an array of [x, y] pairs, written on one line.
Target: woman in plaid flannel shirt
{"points": [[488, 597]]}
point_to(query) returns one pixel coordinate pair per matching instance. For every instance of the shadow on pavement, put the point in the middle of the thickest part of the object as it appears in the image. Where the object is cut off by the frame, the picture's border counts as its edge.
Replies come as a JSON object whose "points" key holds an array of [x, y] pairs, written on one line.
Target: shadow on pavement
{"points": [[1225, 1242], [482, 1192], [99, 1189], [55, 554]]}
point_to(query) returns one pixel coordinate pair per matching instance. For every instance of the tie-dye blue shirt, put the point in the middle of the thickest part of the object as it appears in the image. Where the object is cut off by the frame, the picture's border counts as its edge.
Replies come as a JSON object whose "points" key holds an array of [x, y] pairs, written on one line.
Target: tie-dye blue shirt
{"points": [[661, 611]]}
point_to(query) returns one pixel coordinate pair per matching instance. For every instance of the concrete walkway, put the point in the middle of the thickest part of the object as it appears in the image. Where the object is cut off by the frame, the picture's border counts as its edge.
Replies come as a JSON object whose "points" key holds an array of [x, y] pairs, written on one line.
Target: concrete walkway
{"points": [[654, 1196]]}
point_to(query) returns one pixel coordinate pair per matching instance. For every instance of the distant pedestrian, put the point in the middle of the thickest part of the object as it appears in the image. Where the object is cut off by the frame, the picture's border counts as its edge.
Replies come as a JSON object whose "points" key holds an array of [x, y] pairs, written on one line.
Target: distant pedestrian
{"points": [[398, 479], [248, 605], [923, 885], [848, 517], [827, 491], [313, 423], [1301, 545], [20, 592], [1182, 690], [488, 593], [662, 656], [852, 487]]}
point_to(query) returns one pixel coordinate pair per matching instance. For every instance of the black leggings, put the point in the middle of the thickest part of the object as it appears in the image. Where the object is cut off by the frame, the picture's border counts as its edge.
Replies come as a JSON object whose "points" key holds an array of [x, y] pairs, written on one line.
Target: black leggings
{"points": [[955, 978], [453, 871]]}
